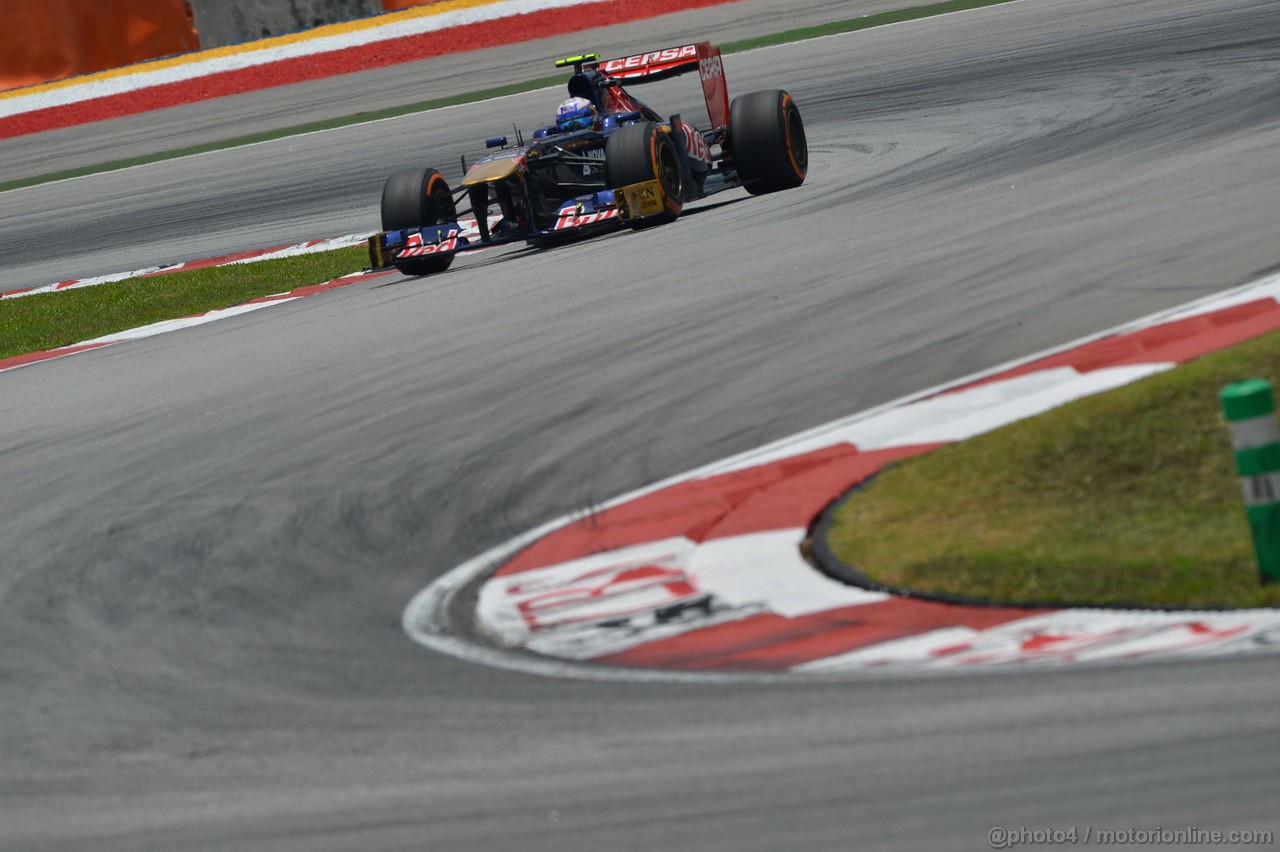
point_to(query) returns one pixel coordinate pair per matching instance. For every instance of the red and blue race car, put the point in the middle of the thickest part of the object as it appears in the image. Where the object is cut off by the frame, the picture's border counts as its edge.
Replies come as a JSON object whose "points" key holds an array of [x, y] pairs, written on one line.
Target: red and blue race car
{"points": [[610, 160]]}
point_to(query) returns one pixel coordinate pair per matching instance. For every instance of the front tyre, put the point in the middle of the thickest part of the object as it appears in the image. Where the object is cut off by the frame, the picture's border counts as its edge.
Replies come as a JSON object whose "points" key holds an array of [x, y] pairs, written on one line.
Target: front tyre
{"points": [[643, 152], [418, 198], [770, 150]]}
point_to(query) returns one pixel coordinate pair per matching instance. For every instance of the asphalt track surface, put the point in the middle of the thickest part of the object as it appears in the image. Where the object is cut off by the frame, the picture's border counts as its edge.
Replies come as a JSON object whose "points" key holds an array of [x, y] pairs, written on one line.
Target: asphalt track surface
{"points": [[209, 537], [408, 83]]}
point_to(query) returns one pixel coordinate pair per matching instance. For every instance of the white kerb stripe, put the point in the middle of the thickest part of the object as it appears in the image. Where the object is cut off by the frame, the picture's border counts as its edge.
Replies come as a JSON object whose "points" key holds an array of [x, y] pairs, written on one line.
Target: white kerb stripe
{"points": [[197, 68]]}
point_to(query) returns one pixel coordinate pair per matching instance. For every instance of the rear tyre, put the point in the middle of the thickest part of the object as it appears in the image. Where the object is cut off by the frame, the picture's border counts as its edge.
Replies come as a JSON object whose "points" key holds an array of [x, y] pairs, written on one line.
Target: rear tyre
{"points": [[642, 152], [417, 198], [766, 133]]}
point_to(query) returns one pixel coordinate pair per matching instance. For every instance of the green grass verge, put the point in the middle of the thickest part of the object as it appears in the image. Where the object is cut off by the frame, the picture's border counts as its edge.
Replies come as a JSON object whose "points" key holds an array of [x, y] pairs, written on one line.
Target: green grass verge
{"points": [[863, 23], [1126, 497], [49, 320]]}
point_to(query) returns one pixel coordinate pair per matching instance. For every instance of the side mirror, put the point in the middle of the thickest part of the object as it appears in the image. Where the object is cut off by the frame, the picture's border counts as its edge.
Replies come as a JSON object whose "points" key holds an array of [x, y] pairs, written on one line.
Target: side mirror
{"points": [[496, 142]]}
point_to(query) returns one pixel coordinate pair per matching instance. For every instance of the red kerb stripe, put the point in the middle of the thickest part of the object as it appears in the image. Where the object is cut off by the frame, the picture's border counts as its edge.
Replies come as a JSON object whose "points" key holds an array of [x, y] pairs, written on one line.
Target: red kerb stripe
{"points": [[517, 28]]}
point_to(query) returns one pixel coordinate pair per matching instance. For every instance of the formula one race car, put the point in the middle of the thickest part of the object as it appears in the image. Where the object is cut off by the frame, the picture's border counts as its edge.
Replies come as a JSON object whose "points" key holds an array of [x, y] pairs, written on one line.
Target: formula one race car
{"points": [[609, 160]]}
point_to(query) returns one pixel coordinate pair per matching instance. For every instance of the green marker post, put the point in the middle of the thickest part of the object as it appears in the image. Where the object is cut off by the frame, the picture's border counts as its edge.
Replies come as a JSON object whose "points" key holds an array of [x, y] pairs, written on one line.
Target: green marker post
{"points": [[1250, 410]]}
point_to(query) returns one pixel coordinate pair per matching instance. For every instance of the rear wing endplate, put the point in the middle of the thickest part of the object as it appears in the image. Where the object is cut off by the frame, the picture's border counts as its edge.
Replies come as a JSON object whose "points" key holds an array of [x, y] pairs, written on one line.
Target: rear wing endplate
{"points": [[671, 62]]}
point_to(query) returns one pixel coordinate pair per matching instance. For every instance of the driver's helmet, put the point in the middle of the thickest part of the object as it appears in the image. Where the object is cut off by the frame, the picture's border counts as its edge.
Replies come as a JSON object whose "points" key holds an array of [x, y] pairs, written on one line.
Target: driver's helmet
{"points": [[575, 114]]}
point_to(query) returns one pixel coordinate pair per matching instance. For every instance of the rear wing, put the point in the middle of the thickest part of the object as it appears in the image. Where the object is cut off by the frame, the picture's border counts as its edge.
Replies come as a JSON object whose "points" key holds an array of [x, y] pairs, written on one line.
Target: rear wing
{"points": [[671, 62]]}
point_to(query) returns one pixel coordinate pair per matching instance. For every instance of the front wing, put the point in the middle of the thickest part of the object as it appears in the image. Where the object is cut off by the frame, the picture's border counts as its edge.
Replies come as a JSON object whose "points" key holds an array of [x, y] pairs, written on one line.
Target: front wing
{"points": [[597, 212]]}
